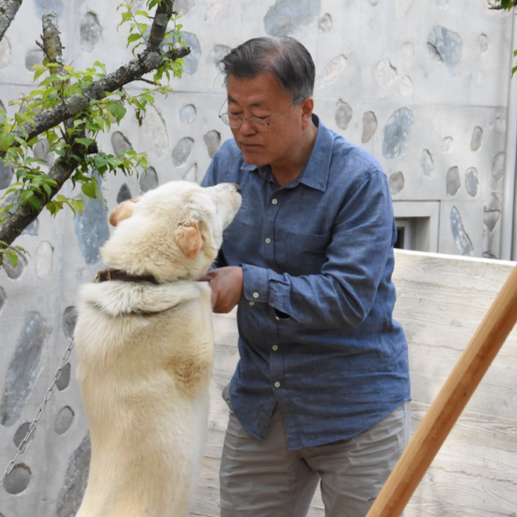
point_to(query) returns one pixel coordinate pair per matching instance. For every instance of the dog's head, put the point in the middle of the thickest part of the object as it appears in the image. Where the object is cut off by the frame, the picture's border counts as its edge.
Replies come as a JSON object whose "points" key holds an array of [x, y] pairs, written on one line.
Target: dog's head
{"points": [[173, 232]]}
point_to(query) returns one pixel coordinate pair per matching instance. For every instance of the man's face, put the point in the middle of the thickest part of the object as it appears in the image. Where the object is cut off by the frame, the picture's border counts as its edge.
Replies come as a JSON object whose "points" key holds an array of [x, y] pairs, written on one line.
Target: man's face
{"points": [[263, 97]]}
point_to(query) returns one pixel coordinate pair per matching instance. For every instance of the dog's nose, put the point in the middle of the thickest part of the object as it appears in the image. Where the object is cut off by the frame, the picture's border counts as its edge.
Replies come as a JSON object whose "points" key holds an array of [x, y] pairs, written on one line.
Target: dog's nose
{"points": [[237, 188]]}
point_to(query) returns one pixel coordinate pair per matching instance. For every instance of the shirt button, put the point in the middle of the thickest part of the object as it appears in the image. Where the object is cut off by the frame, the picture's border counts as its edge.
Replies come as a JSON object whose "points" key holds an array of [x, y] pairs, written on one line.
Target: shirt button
{"points": [[274, 201], [268, 241], [275, 348], [277, 384], [252, 303], [255, 295], [277, 318]]}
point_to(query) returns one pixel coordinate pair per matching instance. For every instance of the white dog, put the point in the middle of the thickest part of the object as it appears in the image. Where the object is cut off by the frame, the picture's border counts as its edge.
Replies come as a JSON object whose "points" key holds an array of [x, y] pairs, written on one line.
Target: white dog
{"points": [[144, 346]]}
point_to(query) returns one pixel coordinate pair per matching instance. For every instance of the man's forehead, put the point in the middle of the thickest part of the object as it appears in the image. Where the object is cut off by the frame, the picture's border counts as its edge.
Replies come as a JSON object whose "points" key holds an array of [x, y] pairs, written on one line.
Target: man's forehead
{"points": [[260, 91], [259, 103]]}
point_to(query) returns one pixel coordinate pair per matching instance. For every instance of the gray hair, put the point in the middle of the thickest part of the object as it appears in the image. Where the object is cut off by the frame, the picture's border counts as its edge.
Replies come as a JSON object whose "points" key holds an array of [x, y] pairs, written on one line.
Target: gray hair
{"points": [[285, 58]]}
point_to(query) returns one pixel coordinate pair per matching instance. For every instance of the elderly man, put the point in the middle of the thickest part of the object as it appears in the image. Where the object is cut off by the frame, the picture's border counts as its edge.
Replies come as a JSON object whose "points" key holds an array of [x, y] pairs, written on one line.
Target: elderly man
{"points": [[321, 390]]}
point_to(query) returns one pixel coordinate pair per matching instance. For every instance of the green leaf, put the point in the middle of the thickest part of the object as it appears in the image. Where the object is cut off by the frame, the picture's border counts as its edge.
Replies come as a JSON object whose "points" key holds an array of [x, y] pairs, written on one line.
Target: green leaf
{"points": [[26, 194], [100, 160], [85, 141], [23, 250], [89, 190], [78, 204], [135, 47], [53, 207], [51, 137], [22, 142], [12, 257], [6, 141], [92, 126], [100, 65], [38, 73], [20, 119], [117, 110], [132, 38], [50, 182], [47, 189], [35, 202]]}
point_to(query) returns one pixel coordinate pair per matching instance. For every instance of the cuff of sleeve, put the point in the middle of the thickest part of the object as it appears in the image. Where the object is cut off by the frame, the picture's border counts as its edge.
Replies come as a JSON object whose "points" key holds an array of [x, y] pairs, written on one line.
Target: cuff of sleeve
{"points": [[255, 280]]}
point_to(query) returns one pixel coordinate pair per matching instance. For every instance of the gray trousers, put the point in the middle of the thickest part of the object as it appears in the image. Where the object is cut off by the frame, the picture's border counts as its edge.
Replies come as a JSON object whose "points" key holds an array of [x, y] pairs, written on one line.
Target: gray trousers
{"points": [[262, 478]]}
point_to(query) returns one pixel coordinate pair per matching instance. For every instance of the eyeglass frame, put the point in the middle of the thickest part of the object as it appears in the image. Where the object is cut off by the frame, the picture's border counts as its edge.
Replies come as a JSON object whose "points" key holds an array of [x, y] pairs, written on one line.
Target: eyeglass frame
{"points": [[252, 119]]}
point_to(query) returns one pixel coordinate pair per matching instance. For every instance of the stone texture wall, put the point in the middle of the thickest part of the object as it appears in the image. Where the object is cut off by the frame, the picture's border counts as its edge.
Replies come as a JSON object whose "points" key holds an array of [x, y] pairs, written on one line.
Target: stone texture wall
{"points": [[421, 85]]}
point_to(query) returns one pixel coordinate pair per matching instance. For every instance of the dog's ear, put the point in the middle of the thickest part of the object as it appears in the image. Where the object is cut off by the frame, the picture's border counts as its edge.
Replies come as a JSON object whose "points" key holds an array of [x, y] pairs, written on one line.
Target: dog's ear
{"points": [[123, 211], [188, 238]]}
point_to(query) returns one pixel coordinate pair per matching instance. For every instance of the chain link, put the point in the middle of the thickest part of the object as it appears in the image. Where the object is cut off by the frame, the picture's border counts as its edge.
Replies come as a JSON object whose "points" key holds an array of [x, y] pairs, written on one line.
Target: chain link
{"points": [[34, 423]]}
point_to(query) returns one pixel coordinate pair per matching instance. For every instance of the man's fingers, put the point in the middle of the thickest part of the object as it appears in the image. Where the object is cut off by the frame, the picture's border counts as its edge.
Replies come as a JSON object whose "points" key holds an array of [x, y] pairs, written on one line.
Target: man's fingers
{"points": [[206, 277], [226, 287]]}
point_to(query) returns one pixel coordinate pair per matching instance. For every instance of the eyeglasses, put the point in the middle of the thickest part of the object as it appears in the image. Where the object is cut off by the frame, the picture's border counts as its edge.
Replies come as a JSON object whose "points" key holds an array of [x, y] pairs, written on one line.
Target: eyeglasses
{"points": [[256, 123]]}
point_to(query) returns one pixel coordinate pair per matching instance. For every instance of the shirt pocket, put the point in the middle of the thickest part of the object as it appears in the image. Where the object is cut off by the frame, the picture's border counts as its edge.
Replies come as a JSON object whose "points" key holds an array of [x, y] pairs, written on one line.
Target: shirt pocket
{"points": [[302, 253]]}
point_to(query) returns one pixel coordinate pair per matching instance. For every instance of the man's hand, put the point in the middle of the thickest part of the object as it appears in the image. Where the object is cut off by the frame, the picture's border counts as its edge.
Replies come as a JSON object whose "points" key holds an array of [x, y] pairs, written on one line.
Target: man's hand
{"points": [[226, 284]]}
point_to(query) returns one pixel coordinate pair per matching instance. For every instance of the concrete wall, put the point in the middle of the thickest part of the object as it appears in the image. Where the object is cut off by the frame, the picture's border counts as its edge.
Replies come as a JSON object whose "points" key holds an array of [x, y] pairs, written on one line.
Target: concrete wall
{"points": [[412, 82]]}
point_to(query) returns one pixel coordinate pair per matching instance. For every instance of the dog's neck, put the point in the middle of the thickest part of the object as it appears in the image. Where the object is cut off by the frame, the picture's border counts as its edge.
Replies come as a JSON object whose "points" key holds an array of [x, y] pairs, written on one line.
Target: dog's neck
{"points": [[117, 274]]}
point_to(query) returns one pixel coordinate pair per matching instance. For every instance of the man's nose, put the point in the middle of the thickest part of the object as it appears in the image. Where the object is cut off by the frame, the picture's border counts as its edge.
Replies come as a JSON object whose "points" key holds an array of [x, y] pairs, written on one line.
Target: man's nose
{"points": [[247, 127]]}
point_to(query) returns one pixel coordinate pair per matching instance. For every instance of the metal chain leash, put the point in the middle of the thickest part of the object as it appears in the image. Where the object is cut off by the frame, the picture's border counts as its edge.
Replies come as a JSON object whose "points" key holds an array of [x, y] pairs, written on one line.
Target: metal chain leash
{"points": [[32, 428]]}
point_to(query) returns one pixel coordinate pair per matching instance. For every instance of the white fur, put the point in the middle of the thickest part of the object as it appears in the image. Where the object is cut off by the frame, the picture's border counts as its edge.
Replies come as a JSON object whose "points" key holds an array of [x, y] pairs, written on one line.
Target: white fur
{"points": [[145, 355]]}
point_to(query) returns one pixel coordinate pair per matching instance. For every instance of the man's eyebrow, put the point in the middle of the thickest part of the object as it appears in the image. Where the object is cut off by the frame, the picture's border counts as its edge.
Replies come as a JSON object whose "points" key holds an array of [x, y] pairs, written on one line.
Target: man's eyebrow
{"points": [[254, 105]]}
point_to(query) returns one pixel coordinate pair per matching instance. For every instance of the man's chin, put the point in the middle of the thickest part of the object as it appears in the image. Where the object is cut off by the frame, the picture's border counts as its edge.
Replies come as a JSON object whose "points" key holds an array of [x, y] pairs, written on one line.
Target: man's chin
{"points": [[254, 157]]}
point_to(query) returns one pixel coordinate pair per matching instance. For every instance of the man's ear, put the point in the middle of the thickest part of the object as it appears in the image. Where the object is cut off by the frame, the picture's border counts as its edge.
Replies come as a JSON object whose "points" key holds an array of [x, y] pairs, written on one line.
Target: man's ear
{"points": [[123, 211], [188, 238], [307, 109]]}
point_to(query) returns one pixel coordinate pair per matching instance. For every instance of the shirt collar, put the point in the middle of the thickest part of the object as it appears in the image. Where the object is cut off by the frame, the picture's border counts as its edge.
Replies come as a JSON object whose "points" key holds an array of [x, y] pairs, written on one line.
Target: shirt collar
{"points": [[316, 170]]}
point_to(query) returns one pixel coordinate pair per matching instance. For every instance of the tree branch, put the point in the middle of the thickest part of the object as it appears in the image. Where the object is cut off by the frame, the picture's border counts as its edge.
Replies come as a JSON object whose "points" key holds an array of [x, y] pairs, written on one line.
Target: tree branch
{"points": [[63, 168], [159, 27], [144, 63], [60, 172], [8, 10], [51, 40], [128, 73], [146, 81]]}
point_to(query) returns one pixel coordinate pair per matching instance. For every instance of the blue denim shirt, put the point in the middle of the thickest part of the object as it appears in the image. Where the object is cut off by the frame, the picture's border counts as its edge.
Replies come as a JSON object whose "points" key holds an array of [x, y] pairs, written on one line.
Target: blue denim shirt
{"points": [[315, 321]]}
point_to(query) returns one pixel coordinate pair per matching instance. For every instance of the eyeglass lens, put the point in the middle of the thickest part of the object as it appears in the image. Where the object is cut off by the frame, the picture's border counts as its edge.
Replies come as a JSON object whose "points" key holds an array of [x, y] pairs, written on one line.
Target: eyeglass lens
{"points": [[235, 122]]}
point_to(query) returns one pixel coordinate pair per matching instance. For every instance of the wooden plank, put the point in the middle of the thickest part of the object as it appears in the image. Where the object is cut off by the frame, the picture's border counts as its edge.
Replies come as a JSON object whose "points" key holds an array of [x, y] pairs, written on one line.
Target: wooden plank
{"points": [[441, 302]]}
